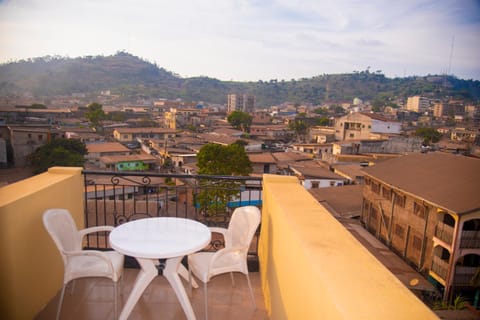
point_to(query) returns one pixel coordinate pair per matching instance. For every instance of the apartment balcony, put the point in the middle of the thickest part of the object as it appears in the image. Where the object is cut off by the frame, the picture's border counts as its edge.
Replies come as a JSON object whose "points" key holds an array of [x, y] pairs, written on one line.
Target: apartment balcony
{"points": [[439, 267], [444, 232], [464, 275], [309, 265], [470, 239]]}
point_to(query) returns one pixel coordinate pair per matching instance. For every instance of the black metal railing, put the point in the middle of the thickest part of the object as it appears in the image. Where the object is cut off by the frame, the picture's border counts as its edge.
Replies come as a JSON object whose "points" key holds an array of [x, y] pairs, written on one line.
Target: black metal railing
{"points": [[112, 198]]}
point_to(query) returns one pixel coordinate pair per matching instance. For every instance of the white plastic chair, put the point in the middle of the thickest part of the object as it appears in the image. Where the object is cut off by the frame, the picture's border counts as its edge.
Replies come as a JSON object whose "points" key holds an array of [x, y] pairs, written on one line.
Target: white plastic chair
{"points": [[80, 263], [233, 258]]}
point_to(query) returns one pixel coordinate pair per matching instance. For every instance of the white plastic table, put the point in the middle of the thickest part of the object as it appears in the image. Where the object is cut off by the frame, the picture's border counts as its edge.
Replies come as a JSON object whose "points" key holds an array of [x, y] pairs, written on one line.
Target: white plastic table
{"points": [[151, 239]]}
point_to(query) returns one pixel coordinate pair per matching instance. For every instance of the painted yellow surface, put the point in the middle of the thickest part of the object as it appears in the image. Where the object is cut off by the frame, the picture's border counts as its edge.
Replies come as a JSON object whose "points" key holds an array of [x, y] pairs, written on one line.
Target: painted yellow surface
{"points": [[31, 270], [313, 268]]}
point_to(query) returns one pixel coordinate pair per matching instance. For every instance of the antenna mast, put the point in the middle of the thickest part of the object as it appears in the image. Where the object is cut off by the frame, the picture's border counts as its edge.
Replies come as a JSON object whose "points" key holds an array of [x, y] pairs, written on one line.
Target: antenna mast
{"points": [[451, 54]]}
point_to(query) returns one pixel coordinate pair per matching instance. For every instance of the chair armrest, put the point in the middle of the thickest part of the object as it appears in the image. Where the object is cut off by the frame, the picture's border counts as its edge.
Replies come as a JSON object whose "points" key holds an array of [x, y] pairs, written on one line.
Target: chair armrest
{"points": [[94, 253], [86, 231], [217, 255]]}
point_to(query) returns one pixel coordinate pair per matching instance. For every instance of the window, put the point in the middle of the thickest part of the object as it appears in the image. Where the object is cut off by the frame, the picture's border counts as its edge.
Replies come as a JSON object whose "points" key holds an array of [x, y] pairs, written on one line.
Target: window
{"points": [[399, 231], [375, 187], [367, 181], [352, 135], [369, 126], [40, 137], [419, 210], [29, 136], [386, 192], [332, 183], [417, 243], [315, 184], [399, 199]]}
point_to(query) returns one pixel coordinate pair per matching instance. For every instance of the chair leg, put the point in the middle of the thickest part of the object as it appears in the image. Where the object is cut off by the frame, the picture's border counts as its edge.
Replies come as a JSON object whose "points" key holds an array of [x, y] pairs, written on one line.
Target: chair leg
{"points": [[251, 291], [72, 286], [60, 301], [115, 299], [206, 299], [190, 292]]}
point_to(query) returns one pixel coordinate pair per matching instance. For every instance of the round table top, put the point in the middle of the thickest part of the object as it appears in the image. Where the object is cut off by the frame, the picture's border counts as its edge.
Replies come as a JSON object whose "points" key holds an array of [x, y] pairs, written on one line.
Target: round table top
{"points": [[159, 238]]}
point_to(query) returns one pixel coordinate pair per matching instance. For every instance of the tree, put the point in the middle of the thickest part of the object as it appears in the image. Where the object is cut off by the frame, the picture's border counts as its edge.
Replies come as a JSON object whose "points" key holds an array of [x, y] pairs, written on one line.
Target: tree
{"points": [[58, 152], [299, 125], [215, 159], [429, 135], [240, 120], [95, 113]]}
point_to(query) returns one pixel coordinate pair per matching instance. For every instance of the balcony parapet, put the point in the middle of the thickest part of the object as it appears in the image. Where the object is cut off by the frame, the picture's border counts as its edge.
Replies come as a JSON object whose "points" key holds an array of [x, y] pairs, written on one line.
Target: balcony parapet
{"points": [[312, 267], [31, 271]]}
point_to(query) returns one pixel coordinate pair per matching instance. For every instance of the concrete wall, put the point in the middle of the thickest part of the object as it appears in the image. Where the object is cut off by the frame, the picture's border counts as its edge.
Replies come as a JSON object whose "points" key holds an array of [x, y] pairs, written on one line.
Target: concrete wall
{"points": [[31, 272]]}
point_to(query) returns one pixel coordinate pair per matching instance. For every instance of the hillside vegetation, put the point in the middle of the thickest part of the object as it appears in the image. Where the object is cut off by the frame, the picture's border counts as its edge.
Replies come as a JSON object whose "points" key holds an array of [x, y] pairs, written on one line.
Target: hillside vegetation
{"points": [[131, 77]]}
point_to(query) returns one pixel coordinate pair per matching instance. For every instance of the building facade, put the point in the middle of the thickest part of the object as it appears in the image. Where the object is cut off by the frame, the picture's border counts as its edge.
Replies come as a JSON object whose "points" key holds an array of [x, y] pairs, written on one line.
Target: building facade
{"points": [[240, 102], [426, 208], [355, 126], [417, 104]]}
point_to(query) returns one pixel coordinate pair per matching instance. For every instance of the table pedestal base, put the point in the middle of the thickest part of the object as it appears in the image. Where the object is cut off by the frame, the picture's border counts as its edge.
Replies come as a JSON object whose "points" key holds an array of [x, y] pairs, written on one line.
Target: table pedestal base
{"points": [[147, 273]]}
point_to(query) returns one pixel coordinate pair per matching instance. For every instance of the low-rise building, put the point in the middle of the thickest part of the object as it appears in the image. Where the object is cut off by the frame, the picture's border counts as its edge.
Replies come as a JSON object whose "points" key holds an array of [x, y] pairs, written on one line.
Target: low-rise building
{"points": [[98, 150], [355, 126], [125, 135]]}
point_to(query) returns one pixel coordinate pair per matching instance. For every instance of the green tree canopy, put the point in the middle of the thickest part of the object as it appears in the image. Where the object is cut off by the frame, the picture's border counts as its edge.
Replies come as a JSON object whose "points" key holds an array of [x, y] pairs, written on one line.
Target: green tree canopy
{"points": [[299, 125], [216, 159], [95, 113], [240, 120], [58, 152], [429, 135]]}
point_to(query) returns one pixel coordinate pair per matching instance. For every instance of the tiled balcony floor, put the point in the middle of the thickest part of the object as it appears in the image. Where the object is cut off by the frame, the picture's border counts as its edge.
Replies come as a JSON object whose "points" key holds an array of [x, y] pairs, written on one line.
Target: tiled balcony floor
{"points": [[92, 299]]}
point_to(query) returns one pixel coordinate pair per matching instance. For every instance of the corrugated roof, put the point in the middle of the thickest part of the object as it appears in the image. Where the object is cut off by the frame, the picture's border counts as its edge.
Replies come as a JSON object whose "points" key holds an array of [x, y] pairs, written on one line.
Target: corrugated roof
{"points": [[106, 147], [449, 181], [133, 157], [261, 158], [291, 156], [144, 130], [317, 171], [345, 201]]}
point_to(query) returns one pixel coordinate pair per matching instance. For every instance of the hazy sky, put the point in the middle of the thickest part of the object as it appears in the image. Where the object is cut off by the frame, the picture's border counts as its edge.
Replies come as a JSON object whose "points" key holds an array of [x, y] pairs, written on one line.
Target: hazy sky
{"points": [[249, 40]]}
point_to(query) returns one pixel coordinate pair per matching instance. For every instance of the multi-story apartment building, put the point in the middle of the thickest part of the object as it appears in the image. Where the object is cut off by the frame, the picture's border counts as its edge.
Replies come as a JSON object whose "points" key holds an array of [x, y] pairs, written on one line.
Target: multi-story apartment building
{"points": [[441, 109], [240, 102], [355, 126], [426, 208], [417, 104]]}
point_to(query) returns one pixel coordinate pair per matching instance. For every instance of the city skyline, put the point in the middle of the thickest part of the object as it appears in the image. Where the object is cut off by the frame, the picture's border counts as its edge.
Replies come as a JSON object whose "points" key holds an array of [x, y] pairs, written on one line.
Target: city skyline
{"points": [[253, 40]]}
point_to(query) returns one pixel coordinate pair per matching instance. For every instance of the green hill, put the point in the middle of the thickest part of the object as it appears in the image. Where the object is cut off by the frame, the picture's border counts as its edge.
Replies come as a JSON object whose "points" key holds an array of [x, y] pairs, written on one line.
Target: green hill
{"points": [[132, 77]]}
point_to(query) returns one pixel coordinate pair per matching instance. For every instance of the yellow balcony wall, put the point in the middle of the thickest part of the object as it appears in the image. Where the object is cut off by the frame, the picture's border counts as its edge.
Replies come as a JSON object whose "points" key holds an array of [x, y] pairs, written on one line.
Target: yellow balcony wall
{"points": [[313, 268], [31, 270]]}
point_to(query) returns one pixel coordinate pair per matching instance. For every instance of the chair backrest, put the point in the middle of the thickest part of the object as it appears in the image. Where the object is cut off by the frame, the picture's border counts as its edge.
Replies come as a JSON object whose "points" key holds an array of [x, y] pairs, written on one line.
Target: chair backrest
{"points": [[61, 227], [243, 224]]}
